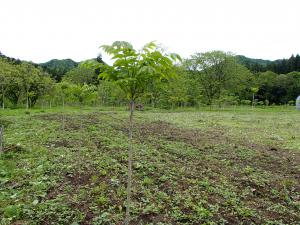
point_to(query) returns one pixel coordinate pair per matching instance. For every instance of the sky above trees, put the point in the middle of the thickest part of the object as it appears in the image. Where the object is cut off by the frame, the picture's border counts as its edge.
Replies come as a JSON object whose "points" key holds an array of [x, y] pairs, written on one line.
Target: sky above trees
{"points": [[41, 30]]}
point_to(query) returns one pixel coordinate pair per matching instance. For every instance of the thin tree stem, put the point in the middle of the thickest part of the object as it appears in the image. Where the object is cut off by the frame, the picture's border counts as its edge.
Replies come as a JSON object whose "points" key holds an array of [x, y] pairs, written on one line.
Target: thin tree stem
{"points": [[1, 138], [2, 97], [27, 101], [63, 116], [130, 150]]}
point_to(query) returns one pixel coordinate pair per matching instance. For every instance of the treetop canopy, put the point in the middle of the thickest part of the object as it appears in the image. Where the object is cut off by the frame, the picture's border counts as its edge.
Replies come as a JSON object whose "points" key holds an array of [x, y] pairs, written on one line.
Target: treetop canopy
{"points": [[133, 69]]}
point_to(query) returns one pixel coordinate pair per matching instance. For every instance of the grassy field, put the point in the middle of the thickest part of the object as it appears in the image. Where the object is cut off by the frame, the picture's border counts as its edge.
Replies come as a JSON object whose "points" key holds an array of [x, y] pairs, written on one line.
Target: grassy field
{"points": [[230, 166]]}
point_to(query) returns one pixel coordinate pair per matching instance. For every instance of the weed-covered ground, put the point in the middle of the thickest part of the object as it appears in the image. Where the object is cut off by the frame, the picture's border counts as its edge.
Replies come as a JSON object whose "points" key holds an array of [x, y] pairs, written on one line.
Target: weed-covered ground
{"points": [[238, 166]]}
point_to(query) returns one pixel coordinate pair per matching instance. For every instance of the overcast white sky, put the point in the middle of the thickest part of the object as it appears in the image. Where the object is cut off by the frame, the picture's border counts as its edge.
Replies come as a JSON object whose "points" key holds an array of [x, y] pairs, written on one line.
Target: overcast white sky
{"points": [[40, 30]]}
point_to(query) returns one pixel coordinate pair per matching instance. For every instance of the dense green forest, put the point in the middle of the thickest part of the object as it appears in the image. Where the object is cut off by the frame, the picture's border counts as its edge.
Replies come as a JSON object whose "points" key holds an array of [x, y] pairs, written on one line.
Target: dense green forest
{"points": [[58, 68], [280, 66], [211, 78]]}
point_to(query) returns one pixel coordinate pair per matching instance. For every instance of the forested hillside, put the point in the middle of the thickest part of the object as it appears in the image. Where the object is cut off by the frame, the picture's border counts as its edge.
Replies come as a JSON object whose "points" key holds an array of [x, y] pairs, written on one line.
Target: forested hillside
{"points": [[57, 68], [280, 66]]}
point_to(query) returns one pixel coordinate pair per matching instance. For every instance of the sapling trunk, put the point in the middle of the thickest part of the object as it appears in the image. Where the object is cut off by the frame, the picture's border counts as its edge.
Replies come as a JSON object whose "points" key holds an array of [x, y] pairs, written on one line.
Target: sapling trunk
{"points": [[3, 106], [80, 115], [63, 116], [1, 138], [2, 97], [130, 150], [27, 100], [63, 122]]}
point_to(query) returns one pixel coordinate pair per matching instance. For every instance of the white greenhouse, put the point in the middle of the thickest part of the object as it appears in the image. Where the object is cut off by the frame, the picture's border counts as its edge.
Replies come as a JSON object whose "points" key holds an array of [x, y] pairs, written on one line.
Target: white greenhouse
{"points": [[298, 103]]}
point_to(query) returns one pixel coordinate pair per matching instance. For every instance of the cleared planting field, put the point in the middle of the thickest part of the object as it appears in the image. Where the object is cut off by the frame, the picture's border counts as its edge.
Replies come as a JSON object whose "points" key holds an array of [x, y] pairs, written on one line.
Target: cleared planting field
{"points": [[230, 166]]}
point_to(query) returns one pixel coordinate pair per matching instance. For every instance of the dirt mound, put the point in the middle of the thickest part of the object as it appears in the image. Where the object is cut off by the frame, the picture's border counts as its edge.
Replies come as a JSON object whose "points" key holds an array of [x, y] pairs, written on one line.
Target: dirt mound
{"points": [[50, 117], [168, 131], [13, 148], [5, 123]]}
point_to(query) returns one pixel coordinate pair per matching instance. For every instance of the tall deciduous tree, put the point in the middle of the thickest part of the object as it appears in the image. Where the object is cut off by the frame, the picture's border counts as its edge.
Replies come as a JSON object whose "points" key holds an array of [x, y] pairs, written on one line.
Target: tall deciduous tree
{"points": [[6, 71], [216, 71], [23, 81], [133, 70], [81, 75]]}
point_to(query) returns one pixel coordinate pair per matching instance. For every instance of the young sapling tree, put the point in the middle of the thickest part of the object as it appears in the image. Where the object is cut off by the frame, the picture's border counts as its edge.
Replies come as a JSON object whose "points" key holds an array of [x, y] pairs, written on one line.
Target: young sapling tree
{"points": [[133, 70]]}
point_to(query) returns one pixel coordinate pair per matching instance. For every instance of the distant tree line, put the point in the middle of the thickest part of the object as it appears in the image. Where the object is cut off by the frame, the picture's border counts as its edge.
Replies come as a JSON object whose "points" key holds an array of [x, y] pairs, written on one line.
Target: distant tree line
{"points": [[211, 78], [280, 66]]}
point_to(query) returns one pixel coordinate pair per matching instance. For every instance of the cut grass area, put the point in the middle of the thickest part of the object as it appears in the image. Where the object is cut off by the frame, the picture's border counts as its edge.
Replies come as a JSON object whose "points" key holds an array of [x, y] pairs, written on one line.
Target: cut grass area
{"points": [[197, 167]]}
